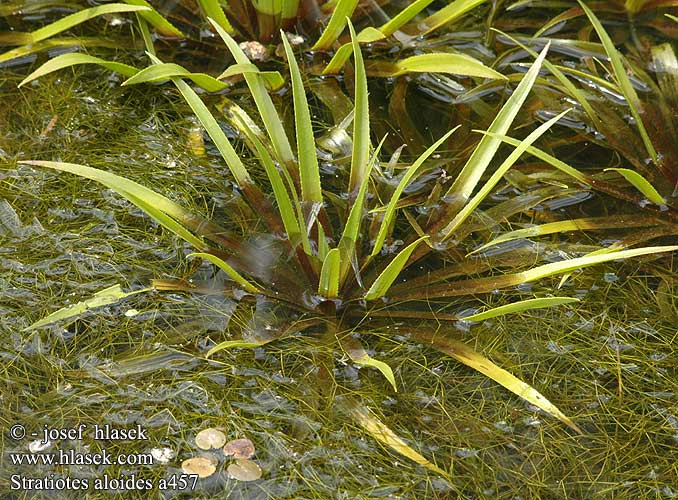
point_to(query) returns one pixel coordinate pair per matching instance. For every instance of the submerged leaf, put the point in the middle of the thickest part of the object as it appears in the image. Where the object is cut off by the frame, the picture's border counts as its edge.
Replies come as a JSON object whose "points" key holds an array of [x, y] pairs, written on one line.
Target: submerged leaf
{"points": [[160, 208], [389, 275], [232, 273], [359, 355], [473, 359], [105, 297], [641, 184], [520, 306], [622, 78], [379, 431]]}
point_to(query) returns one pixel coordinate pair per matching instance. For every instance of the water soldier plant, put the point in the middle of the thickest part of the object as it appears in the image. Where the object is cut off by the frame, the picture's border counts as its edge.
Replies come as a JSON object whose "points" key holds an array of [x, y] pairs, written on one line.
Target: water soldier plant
{"points": [[344, 256]]}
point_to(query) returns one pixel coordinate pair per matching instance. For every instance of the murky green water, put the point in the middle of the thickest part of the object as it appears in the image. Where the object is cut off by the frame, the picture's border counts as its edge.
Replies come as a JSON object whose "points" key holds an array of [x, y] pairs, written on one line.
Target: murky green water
{"points": [[612, 365]]}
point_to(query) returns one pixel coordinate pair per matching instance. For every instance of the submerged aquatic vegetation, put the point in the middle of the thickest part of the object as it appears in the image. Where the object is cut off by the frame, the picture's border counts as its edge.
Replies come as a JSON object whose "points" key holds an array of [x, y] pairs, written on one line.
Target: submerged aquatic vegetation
{"points": [[355, 255], [334, 259]]}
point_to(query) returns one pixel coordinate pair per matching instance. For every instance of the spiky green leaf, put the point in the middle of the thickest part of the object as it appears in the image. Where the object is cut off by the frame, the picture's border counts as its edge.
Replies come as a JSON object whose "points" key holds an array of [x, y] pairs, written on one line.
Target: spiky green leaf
{"points": [[391, 272], [309, 172], [622, 78], [73, 59], [641, 184], [232, 273], [328, 285], [343, 10]]}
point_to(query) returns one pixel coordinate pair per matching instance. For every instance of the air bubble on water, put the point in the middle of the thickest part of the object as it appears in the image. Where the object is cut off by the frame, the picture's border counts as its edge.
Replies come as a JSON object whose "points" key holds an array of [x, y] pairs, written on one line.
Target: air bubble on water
{"points": [[162, 455], [466, 453], [503, 426], [37, 446]]}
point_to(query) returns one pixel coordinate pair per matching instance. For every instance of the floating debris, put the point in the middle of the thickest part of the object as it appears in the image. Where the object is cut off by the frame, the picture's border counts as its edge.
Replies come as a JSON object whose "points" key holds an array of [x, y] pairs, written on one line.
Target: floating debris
{"points": [[203, 466], [162, 455], [244, 470], [208, 439], [37, 446], [239, 448], [255, 51]]}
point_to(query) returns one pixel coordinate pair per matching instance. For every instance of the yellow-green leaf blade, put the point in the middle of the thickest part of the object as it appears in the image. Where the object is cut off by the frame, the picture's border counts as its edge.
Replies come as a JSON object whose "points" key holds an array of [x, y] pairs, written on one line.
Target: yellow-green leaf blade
{"points": [[160, 208], [309, 172], [361, 121], [641, 184], [272, 79], [498, 174], [564, 266], [352, 227], [353, 348], [448, 14], [382, 433], [344, 52], [285, 206], [480, 363], [391, 272], [235, 165], [483, 154], [232, 273], [155, 19], [542, 155], [80, 17], [329, 275], [230, 344], [213, 9], [342, 11], [267, 111], [407, 178], [104, 297], [583, 224], [166, 71], [488, 284], [73, 59], [442, 62], [622, 78], [520, 306], [404, 16]]}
